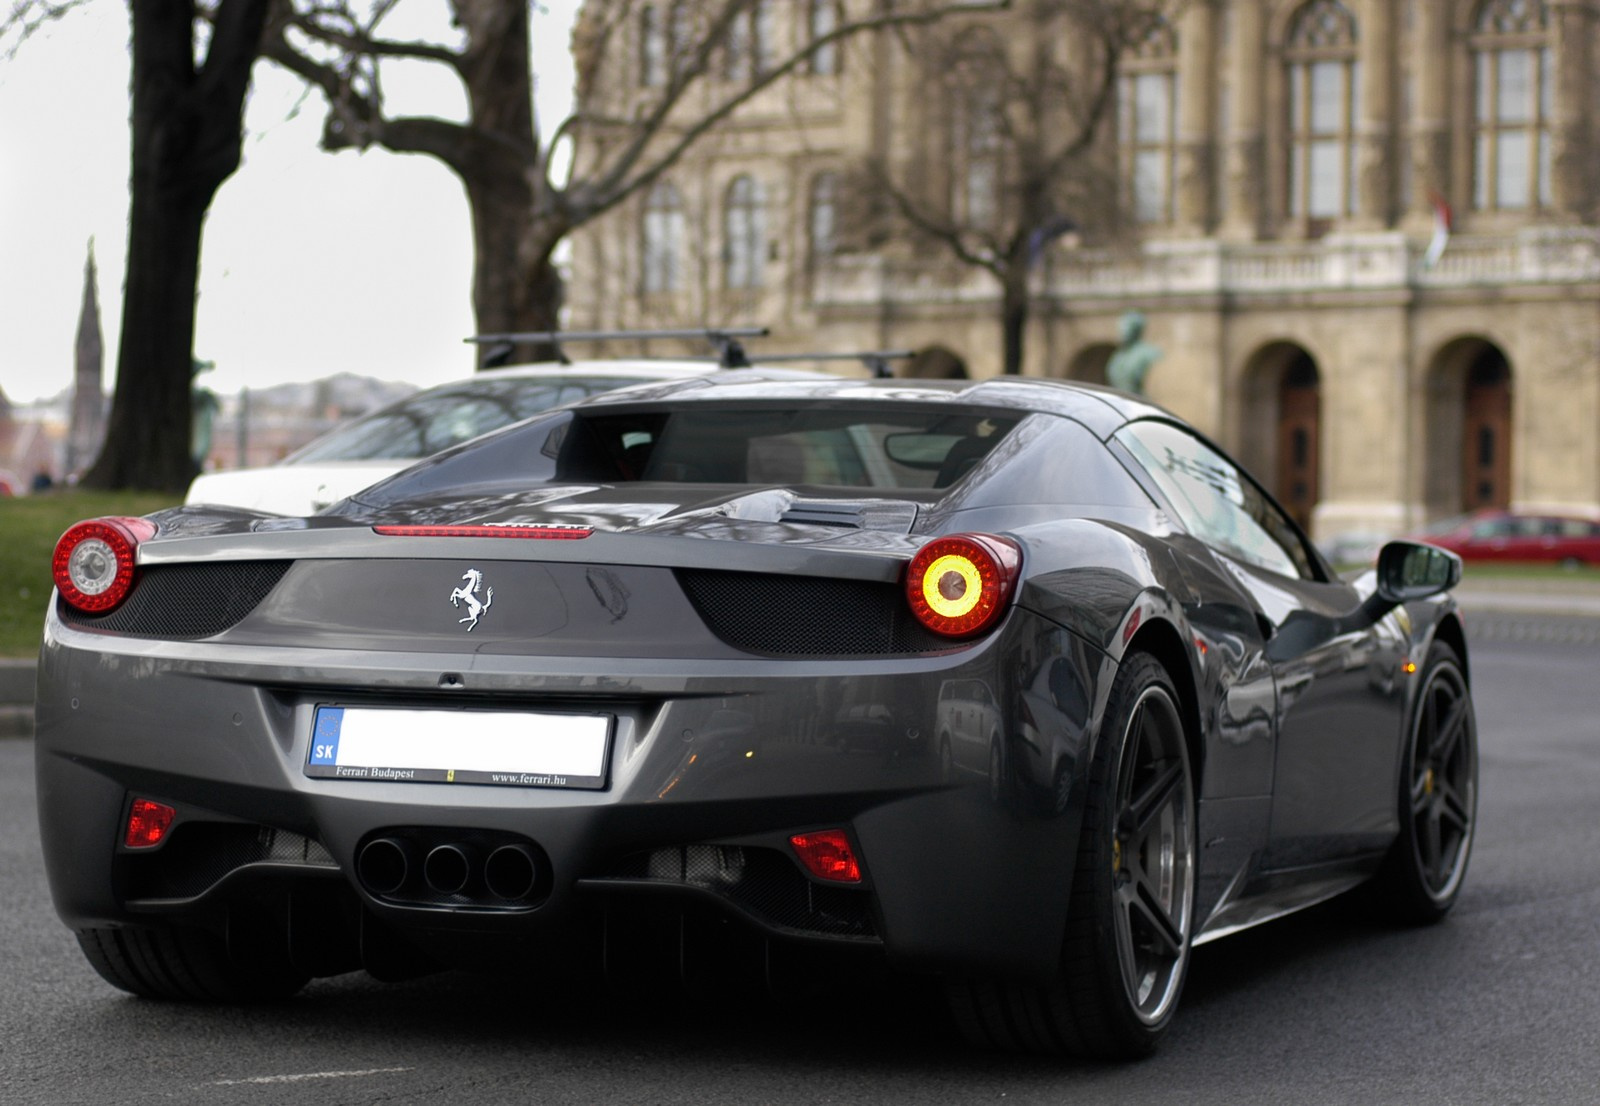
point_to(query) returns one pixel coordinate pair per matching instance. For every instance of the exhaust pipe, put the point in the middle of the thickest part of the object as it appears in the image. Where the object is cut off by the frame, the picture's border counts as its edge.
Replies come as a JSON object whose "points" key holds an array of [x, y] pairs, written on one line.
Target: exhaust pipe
{"points": [[511, 872], [447, 869], [384, 865]]}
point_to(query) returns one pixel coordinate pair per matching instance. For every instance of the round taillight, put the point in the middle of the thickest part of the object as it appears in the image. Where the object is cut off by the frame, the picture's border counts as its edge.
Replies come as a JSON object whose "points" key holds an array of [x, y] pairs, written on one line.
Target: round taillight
{"points": [[958, 586], [94, 561]]}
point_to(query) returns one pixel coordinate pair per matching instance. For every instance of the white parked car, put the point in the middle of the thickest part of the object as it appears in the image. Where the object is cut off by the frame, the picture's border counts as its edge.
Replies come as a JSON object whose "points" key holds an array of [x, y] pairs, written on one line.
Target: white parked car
{"points": [[378, 445]]}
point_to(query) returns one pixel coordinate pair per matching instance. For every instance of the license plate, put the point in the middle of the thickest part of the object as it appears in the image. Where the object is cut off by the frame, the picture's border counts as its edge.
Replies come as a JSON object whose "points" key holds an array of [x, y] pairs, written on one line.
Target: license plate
{"points": [[505, 748]]}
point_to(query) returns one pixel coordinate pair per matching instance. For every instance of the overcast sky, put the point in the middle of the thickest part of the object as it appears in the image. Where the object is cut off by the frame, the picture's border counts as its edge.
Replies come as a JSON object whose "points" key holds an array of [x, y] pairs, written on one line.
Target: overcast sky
{"points": [[313, 263]]}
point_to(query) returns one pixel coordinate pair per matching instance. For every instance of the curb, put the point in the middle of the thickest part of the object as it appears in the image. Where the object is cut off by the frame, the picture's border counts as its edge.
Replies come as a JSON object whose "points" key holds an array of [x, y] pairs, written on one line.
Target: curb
{"points": [[16, 720], [16, 697]]}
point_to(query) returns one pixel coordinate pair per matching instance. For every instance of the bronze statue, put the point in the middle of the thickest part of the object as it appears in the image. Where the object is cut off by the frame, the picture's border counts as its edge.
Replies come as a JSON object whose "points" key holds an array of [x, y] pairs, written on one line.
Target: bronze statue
{"points": [[1134, 356]]}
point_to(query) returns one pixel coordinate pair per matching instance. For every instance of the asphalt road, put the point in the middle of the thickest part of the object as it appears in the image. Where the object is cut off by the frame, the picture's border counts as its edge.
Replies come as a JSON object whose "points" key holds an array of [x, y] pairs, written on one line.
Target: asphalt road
{"points": [[1500, 1004]]}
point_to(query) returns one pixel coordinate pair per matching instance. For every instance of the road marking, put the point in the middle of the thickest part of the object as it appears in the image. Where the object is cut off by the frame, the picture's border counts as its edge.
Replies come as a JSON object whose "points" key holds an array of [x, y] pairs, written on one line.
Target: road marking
{"points": [[301, 1077]]}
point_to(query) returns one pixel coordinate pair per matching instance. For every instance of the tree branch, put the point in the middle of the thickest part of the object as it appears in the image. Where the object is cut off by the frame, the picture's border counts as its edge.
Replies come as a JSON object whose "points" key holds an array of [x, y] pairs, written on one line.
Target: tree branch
{"points": [[951, 234], [364, 44], [616, 185]]}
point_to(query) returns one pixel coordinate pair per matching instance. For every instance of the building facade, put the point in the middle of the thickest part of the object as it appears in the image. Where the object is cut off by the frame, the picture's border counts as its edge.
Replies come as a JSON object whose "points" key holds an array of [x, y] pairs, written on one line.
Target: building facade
{"points": [[1291, 166]]}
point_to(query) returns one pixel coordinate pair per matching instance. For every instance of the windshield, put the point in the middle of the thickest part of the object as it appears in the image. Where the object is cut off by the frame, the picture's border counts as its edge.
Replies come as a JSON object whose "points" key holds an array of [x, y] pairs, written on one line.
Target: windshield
{"points": [[866, 446], [439, 418]]}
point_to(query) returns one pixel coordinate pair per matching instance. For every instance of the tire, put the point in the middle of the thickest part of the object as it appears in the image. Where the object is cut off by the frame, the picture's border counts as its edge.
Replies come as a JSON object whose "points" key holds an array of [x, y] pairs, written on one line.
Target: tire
{"points": [[1125, 951], [185, 965], [1438, 799]]}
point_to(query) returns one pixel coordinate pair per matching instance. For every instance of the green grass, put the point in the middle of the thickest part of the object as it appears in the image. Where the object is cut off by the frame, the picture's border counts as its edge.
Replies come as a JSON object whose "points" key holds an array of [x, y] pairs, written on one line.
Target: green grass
{"points": [[29, 527]]}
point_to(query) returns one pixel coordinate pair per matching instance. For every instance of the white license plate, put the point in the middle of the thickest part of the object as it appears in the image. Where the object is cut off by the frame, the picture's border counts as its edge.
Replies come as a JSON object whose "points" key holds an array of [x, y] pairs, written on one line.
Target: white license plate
{"points": [[508, 748]]}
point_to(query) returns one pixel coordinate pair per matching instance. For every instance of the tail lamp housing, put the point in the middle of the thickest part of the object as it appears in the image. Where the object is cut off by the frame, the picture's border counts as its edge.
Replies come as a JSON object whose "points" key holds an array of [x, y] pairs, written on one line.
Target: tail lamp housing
{"points": [[94, 562], [148, 824], [959, 585], [827, 855]]}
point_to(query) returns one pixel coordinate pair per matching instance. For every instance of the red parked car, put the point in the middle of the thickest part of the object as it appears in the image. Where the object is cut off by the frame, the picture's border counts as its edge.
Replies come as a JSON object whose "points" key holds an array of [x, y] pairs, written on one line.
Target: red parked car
{"points": [[1496, 535]]}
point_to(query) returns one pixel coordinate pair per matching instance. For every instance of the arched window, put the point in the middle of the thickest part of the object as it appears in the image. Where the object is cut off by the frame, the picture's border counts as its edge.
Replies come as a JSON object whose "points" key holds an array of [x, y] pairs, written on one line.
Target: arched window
{"points": [[652, 47], [822, 221], [662, 240], [1147, 114], [1514, 86], [744, 234], [763, 36], [1324, 104], [747, 51], [976, 144], [681, 39], [822, 19]]}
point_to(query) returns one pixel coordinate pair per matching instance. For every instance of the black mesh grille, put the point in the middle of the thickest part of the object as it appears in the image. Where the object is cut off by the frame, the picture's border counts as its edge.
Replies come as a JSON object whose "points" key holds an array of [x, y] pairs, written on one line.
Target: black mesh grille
{"points": [[187, 600], [201, 853], [762, 882], [794, 616]]}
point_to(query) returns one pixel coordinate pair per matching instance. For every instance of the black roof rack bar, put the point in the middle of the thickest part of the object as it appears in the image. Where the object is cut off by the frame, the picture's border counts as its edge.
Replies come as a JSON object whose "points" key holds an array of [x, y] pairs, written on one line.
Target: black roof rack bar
{"points": [[730, 350], [711, 334]]}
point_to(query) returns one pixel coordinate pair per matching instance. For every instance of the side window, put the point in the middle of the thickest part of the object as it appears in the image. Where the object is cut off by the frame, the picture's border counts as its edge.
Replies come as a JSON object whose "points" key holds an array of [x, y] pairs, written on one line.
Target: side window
{"points": [[1214, 500]]}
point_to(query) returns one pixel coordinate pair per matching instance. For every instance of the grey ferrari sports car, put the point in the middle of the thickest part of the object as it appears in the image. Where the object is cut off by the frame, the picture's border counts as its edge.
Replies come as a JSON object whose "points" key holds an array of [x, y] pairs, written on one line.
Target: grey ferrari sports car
{"points": [[1019, 685]]}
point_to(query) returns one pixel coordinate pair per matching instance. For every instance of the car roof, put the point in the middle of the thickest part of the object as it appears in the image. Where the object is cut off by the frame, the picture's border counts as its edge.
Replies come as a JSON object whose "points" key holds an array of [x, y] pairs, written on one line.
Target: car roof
{"points": [[1100, 409]]}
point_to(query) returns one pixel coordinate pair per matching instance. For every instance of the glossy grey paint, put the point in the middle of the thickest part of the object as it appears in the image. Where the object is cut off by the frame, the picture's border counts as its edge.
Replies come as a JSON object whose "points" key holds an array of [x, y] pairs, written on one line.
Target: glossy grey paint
{"points": [[969, 871]]}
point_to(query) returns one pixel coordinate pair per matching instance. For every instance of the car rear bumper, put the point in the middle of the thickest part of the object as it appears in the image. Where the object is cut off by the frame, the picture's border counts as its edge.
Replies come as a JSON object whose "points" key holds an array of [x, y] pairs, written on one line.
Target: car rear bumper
{"points": [[712, 766]]}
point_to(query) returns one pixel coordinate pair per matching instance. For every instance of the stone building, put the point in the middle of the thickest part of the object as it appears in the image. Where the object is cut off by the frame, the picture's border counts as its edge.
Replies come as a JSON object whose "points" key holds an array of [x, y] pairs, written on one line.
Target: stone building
{"points": [[1290, 164]]}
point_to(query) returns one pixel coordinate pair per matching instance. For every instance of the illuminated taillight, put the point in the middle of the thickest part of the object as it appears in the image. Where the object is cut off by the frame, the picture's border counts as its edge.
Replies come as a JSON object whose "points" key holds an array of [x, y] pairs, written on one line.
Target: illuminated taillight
{"points": [[959, 585], [94, 561], [148, 823], [827, 855]]}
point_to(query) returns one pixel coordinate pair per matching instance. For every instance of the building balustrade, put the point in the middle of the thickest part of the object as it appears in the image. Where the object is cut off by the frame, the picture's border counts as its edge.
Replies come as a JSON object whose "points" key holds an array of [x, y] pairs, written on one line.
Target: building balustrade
{"points": [[1337, 263]]}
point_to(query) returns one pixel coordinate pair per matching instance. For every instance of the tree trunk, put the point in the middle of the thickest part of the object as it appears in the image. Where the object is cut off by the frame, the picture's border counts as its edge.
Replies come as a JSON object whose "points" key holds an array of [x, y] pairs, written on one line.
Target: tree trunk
{"points": [[1014, 316], [187, 132], [148, 435], [515, 285]]}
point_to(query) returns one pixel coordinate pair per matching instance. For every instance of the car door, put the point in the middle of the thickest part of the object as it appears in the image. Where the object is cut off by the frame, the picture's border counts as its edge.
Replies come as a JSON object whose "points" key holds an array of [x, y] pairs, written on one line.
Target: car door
{"points": [[1338, 701]]}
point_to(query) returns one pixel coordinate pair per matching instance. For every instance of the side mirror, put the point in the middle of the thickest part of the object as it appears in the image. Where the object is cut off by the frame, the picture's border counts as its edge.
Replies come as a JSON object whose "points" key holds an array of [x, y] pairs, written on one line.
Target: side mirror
{"points": [[1409, 570]]}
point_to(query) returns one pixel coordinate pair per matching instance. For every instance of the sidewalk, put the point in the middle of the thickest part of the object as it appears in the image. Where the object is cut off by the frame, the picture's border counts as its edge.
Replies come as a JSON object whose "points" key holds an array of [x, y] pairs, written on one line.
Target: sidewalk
{"points": [[1540, 596], [1536, 598]]}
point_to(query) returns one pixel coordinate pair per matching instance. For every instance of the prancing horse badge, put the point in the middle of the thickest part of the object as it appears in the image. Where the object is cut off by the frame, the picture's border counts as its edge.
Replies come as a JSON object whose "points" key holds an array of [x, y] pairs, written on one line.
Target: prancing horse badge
{"points": [[468, 594]]}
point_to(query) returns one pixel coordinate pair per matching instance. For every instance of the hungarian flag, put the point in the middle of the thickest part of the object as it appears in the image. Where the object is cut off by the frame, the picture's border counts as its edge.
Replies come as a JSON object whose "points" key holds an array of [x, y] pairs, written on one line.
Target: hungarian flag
{"points": [[1442, 225]]}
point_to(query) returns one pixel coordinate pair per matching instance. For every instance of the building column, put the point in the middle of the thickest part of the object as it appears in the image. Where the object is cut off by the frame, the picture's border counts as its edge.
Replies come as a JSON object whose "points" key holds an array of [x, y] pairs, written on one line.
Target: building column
{"points": [[1197, 85], [1247, 182], [1430, 126], [1374, 173], [1572, 160]]}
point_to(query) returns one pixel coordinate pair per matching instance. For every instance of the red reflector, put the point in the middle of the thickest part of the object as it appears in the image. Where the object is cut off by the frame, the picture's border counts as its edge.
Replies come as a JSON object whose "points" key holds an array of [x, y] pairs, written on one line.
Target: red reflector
{"points": [[148, 823], [827, 855], [547, 533]]}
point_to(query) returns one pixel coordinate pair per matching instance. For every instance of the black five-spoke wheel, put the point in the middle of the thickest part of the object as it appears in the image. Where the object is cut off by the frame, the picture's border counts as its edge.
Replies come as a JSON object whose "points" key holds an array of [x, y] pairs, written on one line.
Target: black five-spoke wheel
{"points": [[1152, 856], [1130, 918], [1438, 797]]}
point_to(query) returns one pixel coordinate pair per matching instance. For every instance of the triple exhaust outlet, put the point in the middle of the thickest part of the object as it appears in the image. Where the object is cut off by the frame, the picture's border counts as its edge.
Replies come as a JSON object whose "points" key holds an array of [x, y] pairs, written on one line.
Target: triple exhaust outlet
{"points": [[395, 867]]}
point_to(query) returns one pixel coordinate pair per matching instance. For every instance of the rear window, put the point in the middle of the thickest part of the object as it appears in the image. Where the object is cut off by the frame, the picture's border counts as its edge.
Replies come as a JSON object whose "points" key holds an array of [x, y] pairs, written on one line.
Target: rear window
{"points": [[833, 446], [439, 418]]}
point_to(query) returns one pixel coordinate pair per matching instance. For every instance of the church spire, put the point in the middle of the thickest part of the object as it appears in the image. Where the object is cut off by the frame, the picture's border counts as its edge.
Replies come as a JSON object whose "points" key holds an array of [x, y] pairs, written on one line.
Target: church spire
{"points": [[88, 398]]}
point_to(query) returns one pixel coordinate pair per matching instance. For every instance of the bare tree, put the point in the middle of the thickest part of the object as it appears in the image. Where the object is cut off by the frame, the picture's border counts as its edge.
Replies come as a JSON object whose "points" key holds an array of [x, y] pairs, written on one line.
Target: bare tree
{"points": [[191, 68], [522, 204], [1015, 150]]}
